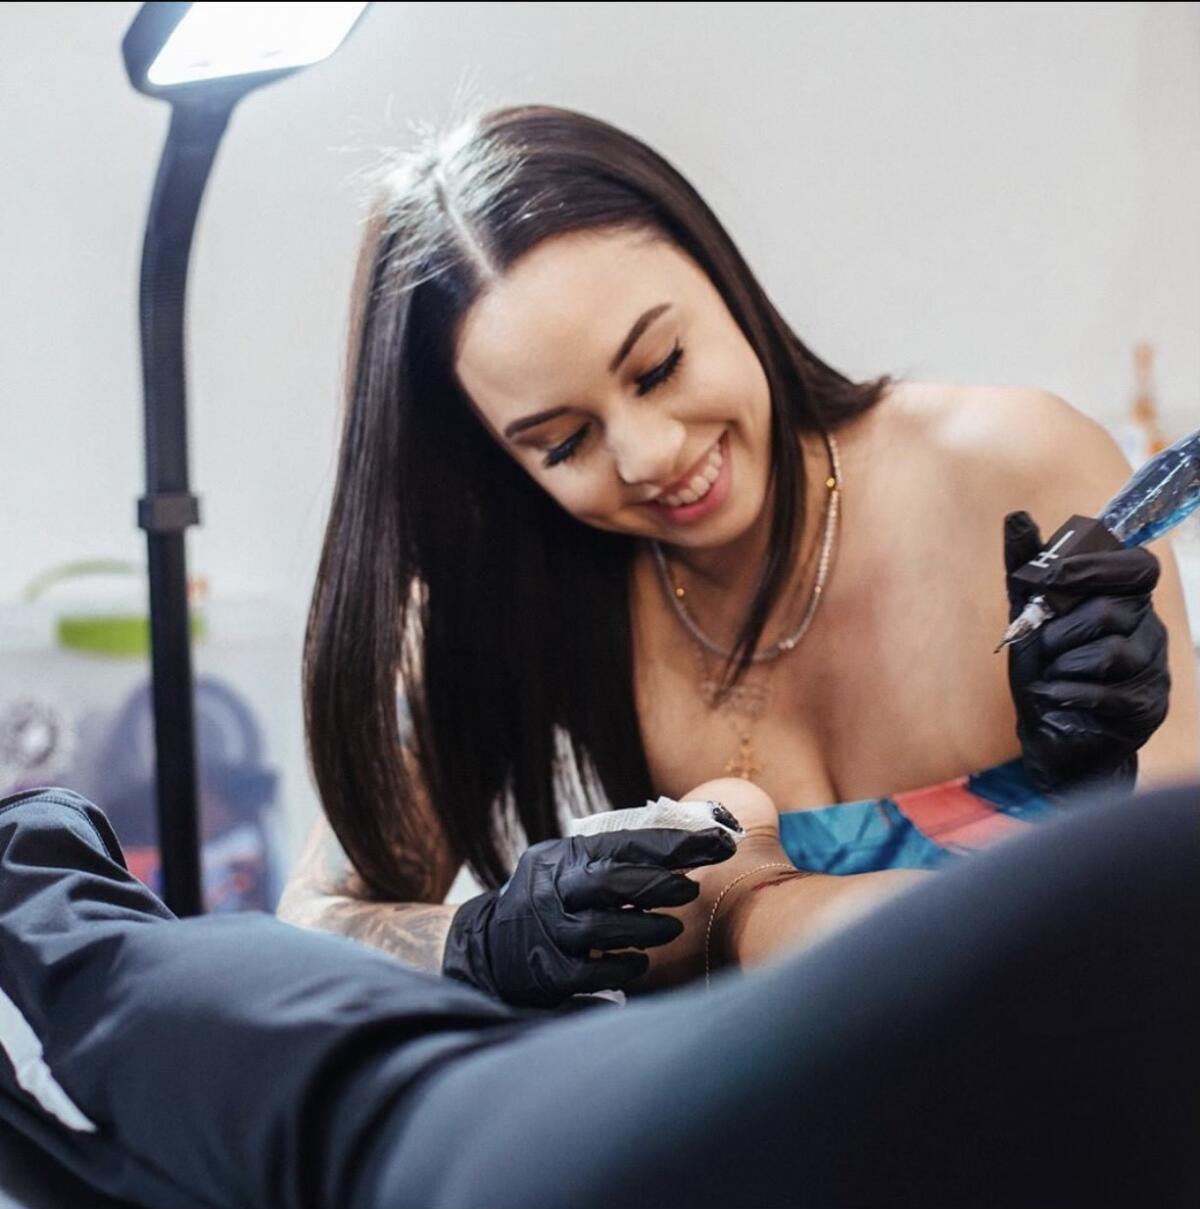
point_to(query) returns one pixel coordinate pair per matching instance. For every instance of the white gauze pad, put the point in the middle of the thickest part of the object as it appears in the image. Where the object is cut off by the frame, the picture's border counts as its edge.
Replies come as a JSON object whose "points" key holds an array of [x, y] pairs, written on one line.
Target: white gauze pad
{"points": [[666, 812]]}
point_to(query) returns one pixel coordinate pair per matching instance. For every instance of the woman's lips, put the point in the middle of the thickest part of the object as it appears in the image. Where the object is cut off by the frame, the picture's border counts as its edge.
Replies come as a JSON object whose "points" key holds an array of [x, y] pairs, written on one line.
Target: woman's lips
{"points": [[676, 487], [716, 495]]}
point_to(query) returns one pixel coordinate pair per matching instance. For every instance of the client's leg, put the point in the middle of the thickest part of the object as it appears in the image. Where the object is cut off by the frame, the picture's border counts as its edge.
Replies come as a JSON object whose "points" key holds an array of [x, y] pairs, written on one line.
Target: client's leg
{"points": [[219, 1061], [1019, 1030]]}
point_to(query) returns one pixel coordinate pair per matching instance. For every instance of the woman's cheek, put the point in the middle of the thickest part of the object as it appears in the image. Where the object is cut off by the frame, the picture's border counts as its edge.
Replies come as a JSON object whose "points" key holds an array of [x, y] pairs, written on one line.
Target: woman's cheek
{"points": [[579, 503], [598, 508]]}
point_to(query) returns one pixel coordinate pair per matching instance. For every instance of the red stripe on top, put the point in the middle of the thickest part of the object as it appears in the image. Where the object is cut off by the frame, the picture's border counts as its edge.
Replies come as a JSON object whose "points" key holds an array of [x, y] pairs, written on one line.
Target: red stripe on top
{"points": [[951, 815]]}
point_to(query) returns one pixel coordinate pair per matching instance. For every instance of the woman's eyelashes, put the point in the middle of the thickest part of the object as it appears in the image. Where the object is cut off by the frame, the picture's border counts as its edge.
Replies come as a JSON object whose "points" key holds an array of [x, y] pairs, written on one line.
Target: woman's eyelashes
{"points": [[660, 373], [645, 384], [566, 451]]}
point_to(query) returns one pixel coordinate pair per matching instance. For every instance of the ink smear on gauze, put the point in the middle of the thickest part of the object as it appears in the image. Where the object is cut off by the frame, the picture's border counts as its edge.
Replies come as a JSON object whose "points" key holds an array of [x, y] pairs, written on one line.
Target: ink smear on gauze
{"points": [[665, 812]]}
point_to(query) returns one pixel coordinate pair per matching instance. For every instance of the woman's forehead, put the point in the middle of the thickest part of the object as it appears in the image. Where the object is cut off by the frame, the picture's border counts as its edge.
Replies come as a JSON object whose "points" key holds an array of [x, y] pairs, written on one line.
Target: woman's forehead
{"points": [[561, 313]]}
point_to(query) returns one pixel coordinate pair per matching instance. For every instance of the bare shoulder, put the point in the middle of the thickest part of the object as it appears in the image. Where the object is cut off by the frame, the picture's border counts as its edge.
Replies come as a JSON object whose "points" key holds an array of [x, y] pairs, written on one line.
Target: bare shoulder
{"points": [[1004, 448]]}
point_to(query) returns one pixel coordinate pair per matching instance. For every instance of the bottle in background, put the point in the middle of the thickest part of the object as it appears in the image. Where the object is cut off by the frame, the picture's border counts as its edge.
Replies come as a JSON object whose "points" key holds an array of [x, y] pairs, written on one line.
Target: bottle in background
{"points": [[1140, 435]]}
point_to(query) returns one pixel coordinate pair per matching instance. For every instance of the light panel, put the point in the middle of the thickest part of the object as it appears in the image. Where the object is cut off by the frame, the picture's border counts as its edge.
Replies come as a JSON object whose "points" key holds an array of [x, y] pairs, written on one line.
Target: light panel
{"points": [[220, 39]]}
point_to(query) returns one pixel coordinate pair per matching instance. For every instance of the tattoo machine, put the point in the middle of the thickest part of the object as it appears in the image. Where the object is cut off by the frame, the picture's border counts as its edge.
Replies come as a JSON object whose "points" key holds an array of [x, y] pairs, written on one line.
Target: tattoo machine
{"points": [[1165, 491]]}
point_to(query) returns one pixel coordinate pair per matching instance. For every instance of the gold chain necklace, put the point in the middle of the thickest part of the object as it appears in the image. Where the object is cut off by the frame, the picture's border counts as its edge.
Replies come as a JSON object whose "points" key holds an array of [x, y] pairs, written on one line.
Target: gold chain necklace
{"points": [[749, 699], [743, 706]]}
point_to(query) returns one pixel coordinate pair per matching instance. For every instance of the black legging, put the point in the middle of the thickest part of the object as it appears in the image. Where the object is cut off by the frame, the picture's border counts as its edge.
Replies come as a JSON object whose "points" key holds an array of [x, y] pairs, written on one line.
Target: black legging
{"points": [[1021, 1030]]}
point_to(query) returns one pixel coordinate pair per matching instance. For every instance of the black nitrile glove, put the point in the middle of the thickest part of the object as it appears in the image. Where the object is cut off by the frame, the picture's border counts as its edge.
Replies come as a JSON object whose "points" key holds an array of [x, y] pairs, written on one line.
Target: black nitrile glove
{"points": [[528, 942], [1091, 685]]}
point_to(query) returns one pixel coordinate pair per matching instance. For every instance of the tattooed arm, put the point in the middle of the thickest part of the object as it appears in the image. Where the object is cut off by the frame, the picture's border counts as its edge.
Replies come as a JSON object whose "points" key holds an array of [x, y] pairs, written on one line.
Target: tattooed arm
{"points": [[326, 893]]}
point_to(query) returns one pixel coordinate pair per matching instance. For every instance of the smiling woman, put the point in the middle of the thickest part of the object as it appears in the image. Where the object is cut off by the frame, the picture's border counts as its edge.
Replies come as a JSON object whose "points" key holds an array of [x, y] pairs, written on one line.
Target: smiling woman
{"points": [[613, 529], [555, 334], [682, 405]]}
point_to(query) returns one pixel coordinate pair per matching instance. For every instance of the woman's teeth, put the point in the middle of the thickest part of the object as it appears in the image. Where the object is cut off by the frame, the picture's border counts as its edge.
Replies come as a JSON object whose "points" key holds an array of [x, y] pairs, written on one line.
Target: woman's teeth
{"points": [[701, 482]]}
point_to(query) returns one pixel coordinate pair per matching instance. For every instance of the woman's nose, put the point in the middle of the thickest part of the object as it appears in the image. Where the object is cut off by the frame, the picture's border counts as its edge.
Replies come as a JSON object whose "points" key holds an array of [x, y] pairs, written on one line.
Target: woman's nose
{"points": [[648, 450]]}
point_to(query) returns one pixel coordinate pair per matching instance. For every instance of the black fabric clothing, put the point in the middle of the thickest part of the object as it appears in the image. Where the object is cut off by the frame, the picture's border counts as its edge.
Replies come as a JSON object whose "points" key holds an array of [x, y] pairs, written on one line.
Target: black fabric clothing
{"points": [[1019, 1030]]}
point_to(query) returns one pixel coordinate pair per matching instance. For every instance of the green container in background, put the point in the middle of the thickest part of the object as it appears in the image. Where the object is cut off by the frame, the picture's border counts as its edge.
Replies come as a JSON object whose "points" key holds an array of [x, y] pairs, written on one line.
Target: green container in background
{"points": [[113, 634], [117, 635]]}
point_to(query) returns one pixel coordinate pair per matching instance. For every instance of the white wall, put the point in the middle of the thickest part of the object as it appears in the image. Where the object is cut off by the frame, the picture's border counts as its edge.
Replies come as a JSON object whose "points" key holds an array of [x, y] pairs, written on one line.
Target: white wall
{"points": [[984, 193]]}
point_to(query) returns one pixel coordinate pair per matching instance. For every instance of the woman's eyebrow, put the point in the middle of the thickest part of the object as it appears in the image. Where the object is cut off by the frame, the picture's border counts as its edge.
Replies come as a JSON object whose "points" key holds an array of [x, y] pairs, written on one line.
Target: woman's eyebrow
{"points": [[519, 426], [640, 324]]}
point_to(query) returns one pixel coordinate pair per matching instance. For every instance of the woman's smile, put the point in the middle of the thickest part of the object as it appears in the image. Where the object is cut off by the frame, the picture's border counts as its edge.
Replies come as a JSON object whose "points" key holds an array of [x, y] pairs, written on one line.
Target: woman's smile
{"points": [[702, 492]]}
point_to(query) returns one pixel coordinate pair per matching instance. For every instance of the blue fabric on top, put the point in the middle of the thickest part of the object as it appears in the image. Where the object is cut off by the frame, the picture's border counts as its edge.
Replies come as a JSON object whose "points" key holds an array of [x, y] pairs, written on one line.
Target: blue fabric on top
{"points": [[874, 834], [856, 837]]}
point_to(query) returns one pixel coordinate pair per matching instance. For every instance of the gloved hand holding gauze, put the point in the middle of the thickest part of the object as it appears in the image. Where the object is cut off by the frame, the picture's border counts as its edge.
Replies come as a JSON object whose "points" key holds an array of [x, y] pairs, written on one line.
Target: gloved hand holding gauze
{"points": [[531, 942]]}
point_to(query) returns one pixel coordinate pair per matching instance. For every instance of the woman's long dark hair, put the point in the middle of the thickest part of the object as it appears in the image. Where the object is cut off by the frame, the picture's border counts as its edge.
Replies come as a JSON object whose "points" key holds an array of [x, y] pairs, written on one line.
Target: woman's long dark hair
{"points": [[447, 572]]}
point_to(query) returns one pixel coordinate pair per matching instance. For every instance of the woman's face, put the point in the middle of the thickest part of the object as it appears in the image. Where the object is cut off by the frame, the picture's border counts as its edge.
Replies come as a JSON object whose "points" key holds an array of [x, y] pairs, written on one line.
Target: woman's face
{"points": [[609, 367]]}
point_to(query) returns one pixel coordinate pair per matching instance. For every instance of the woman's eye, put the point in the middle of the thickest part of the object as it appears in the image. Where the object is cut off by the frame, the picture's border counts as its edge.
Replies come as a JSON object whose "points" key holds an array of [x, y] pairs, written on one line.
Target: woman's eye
{"points": [[646, 383], [566, 451], [661, 373]]}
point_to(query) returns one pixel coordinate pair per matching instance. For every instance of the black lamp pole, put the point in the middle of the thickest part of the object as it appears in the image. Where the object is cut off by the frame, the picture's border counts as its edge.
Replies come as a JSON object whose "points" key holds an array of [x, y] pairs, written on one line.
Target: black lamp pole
{"points": [[200, 111], [169, 507]]}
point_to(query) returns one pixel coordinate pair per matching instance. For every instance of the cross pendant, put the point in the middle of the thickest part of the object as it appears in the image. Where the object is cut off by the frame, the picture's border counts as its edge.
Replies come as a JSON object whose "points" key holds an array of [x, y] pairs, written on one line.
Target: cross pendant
{"points": [[742, 765]]}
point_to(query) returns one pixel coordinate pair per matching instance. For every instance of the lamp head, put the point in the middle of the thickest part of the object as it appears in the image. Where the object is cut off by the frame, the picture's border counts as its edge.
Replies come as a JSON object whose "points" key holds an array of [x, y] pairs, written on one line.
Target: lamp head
{"points": [[205, 52]]}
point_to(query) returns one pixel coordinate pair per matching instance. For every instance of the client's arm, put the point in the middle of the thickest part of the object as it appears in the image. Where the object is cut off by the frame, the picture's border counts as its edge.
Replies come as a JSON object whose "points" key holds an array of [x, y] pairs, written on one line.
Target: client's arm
{"points": [[760, 919], [780, 909], [757, 903]]}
